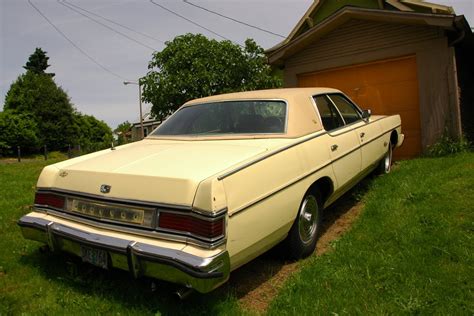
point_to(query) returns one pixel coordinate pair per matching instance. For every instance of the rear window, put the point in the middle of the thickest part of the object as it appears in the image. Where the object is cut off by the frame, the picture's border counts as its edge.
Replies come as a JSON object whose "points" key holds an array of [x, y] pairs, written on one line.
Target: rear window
{"points": [[230, 117]]}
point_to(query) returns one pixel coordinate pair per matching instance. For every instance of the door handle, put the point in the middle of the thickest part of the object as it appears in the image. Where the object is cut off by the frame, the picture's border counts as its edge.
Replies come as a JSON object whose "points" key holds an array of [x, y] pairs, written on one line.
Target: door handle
{"points": [[362, 134], [334, 147]]}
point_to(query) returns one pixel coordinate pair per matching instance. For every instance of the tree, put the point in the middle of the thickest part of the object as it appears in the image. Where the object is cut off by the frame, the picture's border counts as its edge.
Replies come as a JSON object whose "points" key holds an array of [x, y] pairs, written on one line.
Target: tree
{"points": [[17, 130], [121, 132], [38, 62], [93, 134], [193, 66], [49, 106], [35, 95]]}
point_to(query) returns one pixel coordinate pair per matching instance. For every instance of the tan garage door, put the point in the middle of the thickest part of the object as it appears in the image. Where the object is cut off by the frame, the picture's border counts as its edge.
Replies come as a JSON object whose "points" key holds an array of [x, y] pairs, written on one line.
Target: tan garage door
{"points": [[385, 87]]}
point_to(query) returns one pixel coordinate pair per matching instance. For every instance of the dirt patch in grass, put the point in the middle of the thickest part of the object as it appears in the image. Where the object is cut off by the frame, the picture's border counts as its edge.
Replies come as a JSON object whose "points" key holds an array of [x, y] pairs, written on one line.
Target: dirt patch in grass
{"points": [[259, 281]]}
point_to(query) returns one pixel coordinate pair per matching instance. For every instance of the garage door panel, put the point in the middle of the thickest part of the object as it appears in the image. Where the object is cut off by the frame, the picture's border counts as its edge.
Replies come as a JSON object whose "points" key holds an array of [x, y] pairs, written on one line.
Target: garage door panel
{"points": [[389, 71], [386, 87], [397, 96]]}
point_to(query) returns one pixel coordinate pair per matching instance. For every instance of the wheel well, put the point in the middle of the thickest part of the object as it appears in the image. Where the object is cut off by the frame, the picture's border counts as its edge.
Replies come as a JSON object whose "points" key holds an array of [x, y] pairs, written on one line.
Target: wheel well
{"points": [[325, 187], [394, 138]]}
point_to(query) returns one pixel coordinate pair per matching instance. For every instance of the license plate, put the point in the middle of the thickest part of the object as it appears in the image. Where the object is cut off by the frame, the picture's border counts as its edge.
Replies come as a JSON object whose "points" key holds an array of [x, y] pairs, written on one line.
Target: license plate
{"points": [[94, 256]]}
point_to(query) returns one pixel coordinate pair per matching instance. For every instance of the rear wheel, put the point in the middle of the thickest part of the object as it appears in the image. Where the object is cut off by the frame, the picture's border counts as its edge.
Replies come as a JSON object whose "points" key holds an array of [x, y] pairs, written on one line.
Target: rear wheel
{"points": [[385, 165], [304, 233]]}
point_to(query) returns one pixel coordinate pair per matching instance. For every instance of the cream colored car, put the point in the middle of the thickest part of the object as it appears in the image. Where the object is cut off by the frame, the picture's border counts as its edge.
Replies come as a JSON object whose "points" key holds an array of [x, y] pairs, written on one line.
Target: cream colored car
{"points": [[221, 181]]}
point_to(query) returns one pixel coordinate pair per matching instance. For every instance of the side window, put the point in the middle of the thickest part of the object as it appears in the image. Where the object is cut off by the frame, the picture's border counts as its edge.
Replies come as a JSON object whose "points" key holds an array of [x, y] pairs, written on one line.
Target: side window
{"points": [[329, 116], [347, 109]]}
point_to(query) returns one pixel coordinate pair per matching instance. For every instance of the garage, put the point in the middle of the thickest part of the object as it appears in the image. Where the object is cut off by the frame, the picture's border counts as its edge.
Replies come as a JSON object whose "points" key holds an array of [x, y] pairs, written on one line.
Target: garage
{"points": [[385, 87], [393, 57]]}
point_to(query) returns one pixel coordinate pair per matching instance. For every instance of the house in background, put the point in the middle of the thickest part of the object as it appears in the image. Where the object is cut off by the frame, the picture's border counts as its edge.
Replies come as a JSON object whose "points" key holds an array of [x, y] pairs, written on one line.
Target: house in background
{"points": [[149, 124], [405, 57]]}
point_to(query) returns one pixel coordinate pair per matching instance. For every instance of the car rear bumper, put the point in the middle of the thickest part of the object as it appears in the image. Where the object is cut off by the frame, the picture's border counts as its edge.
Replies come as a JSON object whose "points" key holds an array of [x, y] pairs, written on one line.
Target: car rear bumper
{"points": [[401, 138], [200, 273]]}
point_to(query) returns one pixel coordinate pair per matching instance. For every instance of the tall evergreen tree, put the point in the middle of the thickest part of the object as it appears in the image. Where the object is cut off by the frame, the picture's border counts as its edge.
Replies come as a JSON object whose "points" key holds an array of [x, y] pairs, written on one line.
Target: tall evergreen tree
{"points": [[35, 102], [38, 62], [48, 104]]}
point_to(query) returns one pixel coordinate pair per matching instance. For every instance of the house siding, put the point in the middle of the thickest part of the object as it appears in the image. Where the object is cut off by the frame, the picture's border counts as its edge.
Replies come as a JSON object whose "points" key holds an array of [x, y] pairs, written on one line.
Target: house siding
{"points": [[361, 37], [359, 41]]}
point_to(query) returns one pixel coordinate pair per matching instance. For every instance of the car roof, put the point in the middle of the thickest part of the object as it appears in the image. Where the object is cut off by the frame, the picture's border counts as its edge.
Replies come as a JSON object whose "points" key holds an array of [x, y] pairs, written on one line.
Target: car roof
{"points": [[302, 116], [284, 93]]}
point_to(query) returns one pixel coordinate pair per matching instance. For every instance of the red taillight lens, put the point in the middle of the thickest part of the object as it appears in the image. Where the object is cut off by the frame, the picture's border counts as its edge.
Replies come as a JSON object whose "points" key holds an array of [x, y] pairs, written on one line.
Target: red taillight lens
{"points": [[193, 225], [50, 199]]}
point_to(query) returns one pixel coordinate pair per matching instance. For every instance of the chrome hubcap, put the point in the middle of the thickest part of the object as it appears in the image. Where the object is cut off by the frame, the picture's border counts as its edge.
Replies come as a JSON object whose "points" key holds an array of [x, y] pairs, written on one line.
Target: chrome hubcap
{"points": [[307, 222], [388, 159]]}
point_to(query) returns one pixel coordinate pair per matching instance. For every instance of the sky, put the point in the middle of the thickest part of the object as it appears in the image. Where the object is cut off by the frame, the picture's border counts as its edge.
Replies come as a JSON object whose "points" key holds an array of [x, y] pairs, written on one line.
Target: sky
{"points": [[100, 92]]}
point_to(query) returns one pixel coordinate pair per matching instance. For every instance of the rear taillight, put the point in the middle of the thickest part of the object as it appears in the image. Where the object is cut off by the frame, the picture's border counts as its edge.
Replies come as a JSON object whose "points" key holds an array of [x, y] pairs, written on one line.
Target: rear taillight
{"points": [[190, 224], [50, 200]]}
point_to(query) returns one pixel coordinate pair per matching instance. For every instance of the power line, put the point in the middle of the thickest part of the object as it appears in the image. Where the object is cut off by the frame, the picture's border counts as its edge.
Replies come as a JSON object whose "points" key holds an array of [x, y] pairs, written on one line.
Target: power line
{"points": [[232, 19], [106, 26], [191, 21], [116, 23], [75, 45]]}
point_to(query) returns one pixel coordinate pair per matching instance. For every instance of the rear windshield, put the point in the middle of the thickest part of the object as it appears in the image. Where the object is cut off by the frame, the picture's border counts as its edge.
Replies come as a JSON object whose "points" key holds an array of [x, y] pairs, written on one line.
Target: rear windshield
{"points": [[230, 117]]}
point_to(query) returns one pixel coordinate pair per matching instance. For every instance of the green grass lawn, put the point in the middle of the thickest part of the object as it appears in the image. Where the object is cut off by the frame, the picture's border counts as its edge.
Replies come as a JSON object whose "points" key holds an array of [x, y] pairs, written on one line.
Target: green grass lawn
{"points": [[410, 252]]}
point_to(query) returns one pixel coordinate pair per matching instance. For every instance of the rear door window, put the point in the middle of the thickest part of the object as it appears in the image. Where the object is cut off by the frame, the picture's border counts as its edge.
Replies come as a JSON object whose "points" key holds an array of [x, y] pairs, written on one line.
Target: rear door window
{"points": [[349, 111], [330, 117]]}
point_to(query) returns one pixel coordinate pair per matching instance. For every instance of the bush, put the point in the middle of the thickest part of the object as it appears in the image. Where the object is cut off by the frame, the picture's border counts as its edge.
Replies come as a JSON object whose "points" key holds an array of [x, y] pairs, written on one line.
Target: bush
{"points": [[446, 145], [17, 130], [93, 134], [48, 105]]}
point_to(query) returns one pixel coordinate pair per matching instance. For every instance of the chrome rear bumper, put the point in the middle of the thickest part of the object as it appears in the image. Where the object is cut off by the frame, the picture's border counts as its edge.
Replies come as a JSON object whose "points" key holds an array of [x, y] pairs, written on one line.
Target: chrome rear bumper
{"points": [[141, 259]]}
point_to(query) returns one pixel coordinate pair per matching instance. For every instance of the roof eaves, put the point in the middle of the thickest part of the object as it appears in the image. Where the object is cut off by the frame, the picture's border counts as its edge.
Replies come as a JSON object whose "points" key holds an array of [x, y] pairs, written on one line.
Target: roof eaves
{"points": [[396, 4], [297, 27], [435, 8], [344, 14]]}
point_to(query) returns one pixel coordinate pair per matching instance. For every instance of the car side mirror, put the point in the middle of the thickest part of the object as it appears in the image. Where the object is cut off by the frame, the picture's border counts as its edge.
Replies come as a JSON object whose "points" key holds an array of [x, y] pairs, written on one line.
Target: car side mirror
{"points": [[366, 114]]}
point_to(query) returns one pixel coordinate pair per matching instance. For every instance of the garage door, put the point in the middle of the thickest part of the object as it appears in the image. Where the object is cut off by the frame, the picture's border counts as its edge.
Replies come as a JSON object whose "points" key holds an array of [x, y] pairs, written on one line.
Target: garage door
{"points": [[385, 87]]}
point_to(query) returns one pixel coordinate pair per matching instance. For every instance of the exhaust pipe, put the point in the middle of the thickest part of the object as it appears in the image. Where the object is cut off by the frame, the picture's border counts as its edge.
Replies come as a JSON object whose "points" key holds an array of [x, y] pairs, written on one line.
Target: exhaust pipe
{"points": [[184, 292]]}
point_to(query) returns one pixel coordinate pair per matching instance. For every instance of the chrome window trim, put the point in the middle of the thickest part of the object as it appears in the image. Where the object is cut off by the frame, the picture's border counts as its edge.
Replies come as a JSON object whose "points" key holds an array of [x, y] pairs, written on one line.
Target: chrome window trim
{"points": [[349, 100], [151, 136], [338, 111], [319, 114], [344, 126]]}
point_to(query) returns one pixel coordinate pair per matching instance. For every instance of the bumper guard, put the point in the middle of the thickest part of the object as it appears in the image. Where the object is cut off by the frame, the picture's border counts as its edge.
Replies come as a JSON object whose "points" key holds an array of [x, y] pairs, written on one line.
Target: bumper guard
{"points": [[141, 259]]}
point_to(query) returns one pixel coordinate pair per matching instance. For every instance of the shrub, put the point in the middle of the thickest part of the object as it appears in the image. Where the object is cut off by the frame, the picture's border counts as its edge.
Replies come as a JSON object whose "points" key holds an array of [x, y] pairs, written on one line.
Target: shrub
{"points": [[17, 129], [446, 145]]}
